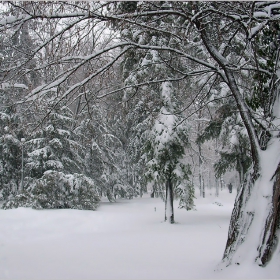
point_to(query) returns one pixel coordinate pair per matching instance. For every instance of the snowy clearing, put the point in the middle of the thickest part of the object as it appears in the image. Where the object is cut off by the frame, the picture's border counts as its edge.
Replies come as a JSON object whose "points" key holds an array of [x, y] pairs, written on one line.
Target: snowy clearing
{"points": [[125, 240]]}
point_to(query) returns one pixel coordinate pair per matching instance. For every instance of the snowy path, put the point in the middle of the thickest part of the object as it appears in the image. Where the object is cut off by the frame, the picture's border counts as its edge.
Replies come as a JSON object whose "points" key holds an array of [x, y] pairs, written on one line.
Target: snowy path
{"points": [[125, 240]]}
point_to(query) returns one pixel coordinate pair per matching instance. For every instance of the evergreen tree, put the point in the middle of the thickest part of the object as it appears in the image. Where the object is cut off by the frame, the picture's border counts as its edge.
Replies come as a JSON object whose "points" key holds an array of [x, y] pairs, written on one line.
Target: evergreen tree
{"points": [[164, 154], [55, 167], [143, 73], [54, 147], [56, 190], [105, 160], [227, 128], [10, 152]]}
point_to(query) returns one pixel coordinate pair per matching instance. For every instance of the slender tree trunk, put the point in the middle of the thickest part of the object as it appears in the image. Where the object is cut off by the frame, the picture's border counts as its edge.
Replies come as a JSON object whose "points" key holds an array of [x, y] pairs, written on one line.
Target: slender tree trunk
{"points": [[200, 171], [169, 211], [22, 175], [166, 198], [203, 189], [199, 158], [216, 179], [222, 182], [241, 173], [209, 180], [217, 187], [141, 191]]}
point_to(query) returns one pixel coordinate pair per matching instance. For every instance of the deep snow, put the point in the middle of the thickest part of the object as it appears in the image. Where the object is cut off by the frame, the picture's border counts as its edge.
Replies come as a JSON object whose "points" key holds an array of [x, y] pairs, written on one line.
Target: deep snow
{"points": [[123, 240]]}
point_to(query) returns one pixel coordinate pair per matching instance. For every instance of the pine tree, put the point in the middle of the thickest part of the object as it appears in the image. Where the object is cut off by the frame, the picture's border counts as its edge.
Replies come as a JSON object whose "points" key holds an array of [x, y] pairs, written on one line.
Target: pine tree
{"points": [[227, 128], [105, 158], [54, 148], [55, 168], [143, 72], [164, 154], [10, 152]]}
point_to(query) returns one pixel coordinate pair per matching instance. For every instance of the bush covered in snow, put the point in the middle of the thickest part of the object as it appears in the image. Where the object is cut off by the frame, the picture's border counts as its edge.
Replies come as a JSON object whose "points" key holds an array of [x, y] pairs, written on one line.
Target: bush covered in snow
{"points": [[19, 200], [56, 190]]}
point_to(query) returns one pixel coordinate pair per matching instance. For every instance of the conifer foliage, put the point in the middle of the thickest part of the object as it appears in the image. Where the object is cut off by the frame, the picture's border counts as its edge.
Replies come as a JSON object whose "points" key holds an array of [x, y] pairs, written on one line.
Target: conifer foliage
{"points": [[10, 153], [56, 190], [165, 150], [54, 169]]}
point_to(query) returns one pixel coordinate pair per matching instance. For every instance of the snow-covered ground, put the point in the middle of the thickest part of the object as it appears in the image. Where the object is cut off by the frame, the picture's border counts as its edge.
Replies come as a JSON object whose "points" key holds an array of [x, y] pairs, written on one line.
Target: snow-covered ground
{"points": [[124, 240]]}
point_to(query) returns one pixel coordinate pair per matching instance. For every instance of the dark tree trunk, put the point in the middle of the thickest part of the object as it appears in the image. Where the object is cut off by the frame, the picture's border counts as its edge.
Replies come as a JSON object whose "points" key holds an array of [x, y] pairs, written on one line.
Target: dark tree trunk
{"points": [[200, 158], [240, 173], [272, 222], [199, 168], [169, 211], [203, 189], [217, 187]]}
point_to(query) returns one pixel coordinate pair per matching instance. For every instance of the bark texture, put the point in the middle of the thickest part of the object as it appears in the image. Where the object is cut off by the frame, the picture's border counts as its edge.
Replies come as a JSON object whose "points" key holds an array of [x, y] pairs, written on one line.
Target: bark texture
{"points": [[240, 220], [265, 230], [270, 238]]}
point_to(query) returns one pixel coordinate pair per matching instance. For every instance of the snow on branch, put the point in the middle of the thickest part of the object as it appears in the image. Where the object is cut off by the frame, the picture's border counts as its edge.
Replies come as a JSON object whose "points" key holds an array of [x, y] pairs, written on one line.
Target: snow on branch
{"points": [[9, 20], [59, 81], [4, 86]]}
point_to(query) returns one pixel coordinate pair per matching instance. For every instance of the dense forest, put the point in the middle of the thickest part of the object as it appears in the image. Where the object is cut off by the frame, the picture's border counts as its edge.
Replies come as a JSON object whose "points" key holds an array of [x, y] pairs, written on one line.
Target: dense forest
{"points": [[106, 99]]}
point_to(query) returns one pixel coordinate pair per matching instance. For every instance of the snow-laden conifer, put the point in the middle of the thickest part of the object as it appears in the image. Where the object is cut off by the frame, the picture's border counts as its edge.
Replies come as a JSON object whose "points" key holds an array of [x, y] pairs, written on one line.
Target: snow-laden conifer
{"points": [[54, 169], [10, 152], [54, 147], [56, 190], [165, 150], [105, 158]]}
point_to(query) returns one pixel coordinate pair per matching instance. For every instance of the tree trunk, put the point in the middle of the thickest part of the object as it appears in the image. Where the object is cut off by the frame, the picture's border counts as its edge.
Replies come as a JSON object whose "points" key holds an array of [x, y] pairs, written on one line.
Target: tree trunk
{"points": [[199, 156], [199, 169], [203, 189], [222, 182], [209, 180], [240, 173], [169, 211], [272, 223], [217, 187], [255, 220], [22, 175]]}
